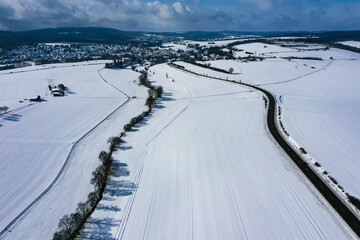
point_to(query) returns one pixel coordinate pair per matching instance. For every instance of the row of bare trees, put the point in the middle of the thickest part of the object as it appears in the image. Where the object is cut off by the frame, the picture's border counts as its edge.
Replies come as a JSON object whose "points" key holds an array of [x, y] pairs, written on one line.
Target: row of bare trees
{"points": [[70, 225]]}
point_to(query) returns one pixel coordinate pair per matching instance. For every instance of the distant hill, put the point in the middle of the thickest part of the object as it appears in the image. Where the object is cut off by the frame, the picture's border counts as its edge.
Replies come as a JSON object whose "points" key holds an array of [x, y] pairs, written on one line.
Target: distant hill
{"points": [[10, 40], [68, 34], [77, 34], [339, 36], [193, 35]]}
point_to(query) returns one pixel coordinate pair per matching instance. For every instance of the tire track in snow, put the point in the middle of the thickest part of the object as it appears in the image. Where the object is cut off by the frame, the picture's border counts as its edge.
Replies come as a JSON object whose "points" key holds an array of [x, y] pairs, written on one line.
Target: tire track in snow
{"points": [[128, 208], [296, 78], [297, 199], [239, 213], [24, 185], [149, 212], [189, 173]]}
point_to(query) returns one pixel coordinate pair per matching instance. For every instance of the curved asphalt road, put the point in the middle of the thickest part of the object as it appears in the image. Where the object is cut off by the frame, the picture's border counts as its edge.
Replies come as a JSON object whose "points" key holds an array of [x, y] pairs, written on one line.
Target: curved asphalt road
{"points": [[342, 209]]}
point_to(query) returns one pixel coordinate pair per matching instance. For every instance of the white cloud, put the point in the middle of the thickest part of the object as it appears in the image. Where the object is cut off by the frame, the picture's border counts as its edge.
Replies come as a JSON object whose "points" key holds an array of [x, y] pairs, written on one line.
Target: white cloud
{"points": [[265, 5], [158, 15], [179, 8]]}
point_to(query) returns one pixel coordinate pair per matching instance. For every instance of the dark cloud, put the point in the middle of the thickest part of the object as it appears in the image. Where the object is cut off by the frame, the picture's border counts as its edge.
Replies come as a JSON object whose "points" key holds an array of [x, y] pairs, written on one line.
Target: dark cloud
{"points": [[182, 15]]}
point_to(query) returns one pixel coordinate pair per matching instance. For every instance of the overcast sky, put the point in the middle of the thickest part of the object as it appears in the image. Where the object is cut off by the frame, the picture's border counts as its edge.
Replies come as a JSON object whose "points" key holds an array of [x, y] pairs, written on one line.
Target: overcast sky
{"points": [[182, 15]]}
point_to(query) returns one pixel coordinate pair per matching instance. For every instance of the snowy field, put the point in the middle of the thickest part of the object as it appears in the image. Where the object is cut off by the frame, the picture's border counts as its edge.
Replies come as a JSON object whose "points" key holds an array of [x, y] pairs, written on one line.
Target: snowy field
{"points": [[320, 111], [36, 139], [351, 43], [272, 50], [260, 49], [58, 44], [177, 46], [183, 45], [319, 102], [332, 53], [203, 166], [220, 43]]}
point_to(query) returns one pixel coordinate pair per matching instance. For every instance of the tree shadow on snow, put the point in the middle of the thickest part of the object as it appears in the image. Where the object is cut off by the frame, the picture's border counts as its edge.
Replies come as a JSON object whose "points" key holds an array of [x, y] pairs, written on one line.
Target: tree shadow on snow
{"points": [[119, 169], [158, 105], [166, 97], [133, 129], [119, 189], [108, 208], [13, 117], [124, 148], [139, 125], [100, 229]]}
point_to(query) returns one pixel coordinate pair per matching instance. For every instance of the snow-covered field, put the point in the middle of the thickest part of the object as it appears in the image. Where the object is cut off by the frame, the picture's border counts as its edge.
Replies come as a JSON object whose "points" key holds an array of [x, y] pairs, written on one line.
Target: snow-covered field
{"points": [[319, 102], [219, 43], [184, 44], [203, 166], [178, 46], [352, 43], [332, 53], [321, 113], [36, 139], [272, 50], [260, 49]]}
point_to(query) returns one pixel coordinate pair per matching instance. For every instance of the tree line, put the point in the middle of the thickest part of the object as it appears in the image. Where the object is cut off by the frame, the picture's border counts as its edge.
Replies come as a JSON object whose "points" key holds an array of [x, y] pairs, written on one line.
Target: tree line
{"points": [[70, 225]]}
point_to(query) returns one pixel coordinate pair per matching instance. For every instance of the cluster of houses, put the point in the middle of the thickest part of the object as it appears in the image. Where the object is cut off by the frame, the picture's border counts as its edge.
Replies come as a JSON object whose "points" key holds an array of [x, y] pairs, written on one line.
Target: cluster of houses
{"points": [[131, 53], [46, 53], [61, 52]]}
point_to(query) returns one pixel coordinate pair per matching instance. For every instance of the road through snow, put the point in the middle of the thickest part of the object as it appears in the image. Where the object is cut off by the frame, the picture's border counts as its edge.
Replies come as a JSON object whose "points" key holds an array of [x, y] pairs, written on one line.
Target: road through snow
{"points": [[203, 166]]}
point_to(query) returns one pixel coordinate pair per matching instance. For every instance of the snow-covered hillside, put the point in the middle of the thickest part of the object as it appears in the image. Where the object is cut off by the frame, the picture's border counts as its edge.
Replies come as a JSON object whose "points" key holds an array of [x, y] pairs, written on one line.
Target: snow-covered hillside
{"points": [[201, 166], [352, 43], [319, 102], [183, 45], [204, 167], [307, 51], [36, 139], [260, 49]]}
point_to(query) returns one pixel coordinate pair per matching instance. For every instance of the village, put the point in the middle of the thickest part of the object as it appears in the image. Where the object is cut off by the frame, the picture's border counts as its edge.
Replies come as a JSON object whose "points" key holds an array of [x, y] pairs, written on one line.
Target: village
{"points": [[45, 53]]}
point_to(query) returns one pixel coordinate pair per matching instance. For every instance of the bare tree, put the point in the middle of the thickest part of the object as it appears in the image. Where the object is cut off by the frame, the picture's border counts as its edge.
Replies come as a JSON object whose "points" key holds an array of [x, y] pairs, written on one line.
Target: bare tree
{"points": [[3, 109]]}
